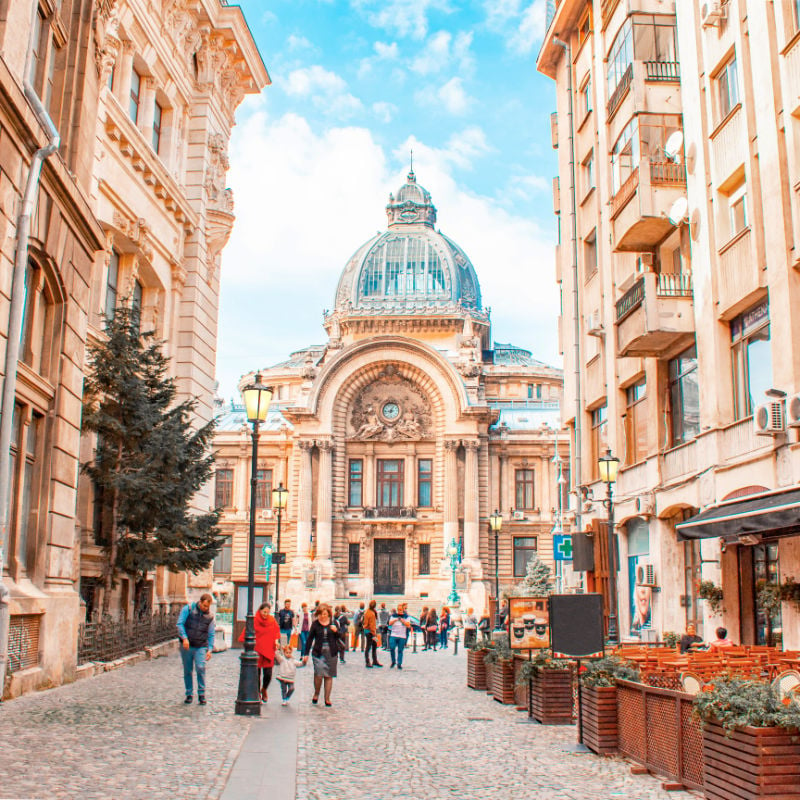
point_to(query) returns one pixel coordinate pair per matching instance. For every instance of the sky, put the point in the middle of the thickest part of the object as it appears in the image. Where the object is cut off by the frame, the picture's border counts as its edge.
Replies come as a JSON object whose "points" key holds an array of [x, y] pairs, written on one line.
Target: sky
{"points": [[356, 86]]}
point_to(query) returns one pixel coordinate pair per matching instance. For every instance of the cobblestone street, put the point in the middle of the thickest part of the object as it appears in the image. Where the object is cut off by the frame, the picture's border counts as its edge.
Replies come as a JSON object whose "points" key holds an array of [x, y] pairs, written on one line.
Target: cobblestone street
{"points": [[419, 733]]}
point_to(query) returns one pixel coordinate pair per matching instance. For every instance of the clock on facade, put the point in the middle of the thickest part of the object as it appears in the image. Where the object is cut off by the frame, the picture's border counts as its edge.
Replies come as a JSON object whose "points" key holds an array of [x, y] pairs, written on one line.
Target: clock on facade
{"points": [[390, 411]]}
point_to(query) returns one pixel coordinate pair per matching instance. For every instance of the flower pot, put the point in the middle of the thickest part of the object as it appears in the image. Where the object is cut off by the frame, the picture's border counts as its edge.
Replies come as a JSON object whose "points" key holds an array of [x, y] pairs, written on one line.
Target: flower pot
{"points": [[476, 669], [489, 678], [552, 696], [599, 718], [503, 682], [751, 763]]}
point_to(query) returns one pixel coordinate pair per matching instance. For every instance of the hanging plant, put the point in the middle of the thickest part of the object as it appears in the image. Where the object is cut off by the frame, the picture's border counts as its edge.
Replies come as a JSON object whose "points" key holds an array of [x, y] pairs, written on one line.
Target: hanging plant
{"points": [[790, 591], [712, 594], [768, 597]]}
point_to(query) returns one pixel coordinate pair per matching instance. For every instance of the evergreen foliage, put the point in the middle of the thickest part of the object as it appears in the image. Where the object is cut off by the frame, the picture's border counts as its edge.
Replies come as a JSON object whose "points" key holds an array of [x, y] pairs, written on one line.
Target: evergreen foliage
{"points": [[149, 461], [538, 581]]}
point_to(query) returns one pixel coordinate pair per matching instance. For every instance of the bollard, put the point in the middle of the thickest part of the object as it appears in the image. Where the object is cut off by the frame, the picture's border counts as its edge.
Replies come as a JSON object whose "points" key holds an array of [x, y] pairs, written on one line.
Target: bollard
{"points": [[455, 644], [414, 641]]}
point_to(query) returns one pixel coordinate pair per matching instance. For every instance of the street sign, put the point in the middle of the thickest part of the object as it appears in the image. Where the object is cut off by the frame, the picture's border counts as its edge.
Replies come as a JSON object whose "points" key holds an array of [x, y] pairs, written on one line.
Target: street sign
{"points": [[562, 547], [279, 558]]}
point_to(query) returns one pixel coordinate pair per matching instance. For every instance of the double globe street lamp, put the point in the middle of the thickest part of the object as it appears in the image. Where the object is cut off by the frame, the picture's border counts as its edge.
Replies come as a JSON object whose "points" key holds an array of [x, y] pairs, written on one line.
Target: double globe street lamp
{"points": [[257, 398], [453, 553], [279, 498], [608, 466], [495, 524]]}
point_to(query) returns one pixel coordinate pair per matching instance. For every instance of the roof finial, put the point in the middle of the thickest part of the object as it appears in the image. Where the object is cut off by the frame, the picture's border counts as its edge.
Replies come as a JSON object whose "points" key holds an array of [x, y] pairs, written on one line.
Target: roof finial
{"points": [[412, 178]]}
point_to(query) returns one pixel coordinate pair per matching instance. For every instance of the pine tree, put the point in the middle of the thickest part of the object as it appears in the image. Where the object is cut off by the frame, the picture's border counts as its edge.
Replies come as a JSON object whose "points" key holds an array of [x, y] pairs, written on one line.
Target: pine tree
{"points": [[537, 581], [149, 460]]}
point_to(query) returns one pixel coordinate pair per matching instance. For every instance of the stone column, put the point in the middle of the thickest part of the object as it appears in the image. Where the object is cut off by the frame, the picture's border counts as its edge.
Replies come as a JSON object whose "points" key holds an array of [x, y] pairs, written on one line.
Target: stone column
{"points": [[450, 527], [304, 500], [471, 499], [503, 479], [368, 492], [324, 500], [410, 475], [147, 106]]}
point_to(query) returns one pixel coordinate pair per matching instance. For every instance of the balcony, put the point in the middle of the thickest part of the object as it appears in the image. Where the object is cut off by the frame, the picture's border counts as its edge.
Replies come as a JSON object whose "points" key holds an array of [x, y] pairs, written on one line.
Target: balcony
{"points": [[390, 512], [791, 62], [639, 208], [741, 280], [655, 315], [729, 145], [679, 461]]}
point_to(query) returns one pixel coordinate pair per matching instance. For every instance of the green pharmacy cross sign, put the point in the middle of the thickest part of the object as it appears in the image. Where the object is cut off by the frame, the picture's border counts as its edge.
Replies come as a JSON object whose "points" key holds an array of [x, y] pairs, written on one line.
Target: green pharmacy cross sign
{"points": [[562, 547], [266, 552]]}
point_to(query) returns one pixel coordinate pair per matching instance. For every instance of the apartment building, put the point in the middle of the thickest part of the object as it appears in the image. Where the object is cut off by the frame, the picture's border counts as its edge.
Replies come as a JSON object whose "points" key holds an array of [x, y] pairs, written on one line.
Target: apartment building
{"points": [[677, 136]]}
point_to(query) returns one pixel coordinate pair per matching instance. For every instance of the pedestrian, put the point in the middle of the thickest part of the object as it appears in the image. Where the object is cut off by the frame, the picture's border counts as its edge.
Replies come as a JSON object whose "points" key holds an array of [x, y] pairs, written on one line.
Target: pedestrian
{"points": [[371, 635], [431, 629], [423, 621], [504, 615], [690, 639], [267, 639], [484, 625], [305, 625], [470, 628], [399, 626], [358, 628], [196, 632], [323, 644], [444, 627], [286, 671], [286, 622], [343, 624], [383, 626]]}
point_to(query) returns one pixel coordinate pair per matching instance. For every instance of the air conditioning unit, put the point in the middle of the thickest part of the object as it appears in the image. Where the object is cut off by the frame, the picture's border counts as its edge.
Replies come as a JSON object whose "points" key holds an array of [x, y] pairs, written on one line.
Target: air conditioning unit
{"points": [[594, 327], [519, 515], [793, 411], [265, 513], [645, 505], [769, 418], [645, 575], [712, 13]]}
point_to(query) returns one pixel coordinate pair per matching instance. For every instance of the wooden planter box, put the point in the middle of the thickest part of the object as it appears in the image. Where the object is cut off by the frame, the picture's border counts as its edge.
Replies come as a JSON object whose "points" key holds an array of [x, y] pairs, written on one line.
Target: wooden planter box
{"points": [[476, 670], [552, 696], [520, 690], [489, 678], [751, 763], [503, 682], [599, 718]]}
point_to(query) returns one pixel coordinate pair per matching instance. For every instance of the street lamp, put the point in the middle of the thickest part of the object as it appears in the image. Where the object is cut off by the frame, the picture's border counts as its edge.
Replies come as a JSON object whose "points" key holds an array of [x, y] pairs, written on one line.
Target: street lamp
{"points": [[452, 552], [266, 552], [279, 497], [608, 466], [257, 398], [495, 523]]}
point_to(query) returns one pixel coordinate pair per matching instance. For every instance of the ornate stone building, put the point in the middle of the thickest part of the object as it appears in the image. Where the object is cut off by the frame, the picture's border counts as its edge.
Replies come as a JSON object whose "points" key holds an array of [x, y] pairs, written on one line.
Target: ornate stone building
{"points": [[399, 435]]}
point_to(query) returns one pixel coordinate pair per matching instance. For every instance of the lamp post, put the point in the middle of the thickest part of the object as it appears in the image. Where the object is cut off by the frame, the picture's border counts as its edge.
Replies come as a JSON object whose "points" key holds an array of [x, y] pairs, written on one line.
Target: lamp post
{"points": [[279, 497], [452, 552], [257, 398], [495, 524], [609, 465]]}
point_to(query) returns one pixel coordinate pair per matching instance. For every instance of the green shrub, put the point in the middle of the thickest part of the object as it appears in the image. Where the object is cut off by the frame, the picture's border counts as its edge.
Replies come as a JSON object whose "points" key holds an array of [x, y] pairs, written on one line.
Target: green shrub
{"points": [[607, 671]]}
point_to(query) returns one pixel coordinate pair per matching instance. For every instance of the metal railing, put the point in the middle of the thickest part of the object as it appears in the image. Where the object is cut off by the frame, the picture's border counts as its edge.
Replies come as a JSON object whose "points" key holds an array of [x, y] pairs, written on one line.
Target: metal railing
{"points": [[621, 90], [631, 300], [107, 638], [625, 193], [390, 512], [667, 71], [674, 284], [667, 172]]}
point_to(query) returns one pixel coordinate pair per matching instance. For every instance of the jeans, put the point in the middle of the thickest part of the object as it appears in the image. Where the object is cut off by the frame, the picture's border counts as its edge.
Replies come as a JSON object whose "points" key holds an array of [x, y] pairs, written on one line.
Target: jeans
{"points": [[194, 657], [443, 637], [384, 632], [470, 636], [287, 689], [397, 644], [372, 645], [286, 636], [303, 640]]}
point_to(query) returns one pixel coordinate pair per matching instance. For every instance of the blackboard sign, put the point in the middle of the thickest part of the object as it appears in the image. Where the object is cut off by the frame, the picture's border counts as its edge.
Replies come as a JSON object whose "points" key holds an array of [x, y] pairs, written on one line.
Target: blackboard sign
{"points": [[576, 625]]}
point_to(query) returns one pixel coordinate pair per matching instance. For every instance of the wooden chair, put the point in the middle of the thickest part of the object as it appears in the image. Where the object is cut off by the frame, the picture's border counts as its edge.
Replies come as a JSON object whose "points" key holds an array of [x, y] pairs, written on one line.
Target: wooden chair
{"points": [[787, 682], [691, 682]]}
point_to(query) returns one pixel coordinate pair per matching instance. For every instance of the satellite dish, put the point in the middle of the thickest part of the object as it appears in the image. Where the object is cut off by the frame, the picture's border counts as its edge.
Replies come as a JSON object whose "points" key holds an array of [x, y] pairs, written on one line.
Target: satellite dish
{"points": [[677, 211], [673, 146]]}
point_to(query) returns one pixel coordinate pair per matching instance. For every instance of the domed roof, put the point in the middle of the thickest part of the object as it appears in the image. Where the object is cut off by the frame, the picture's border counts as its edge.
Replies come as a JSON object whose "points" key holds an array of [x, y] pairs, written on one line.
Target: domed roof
{"points": [[411, 268]]}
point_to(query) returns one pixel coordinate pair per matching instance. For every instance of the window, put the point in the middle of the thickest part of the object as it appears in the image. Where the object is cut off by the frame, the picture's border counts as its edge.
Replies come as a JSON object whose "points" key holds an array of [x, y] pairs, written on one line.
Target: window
{"points": [[565, 487], [38, 320], [737, 205], [223, 560], [639, 597], [625, 155], [111, 284], [224, 488], [264, 488], [587, 173], [356, 483], [751, 359], [136, 305], [258, 553], [534, 391], [590, 254], [24, 445], [425, 559], [43, 58], [158, 113], [620, 58], [523, 489], [728, 88], [524, 550], [635, 423], [684, 397], [133, 103], [424, 482], [586, 97], [390, 483], [599, 437], [585, 25], [403, 267], [655, 38], [353, 558]]}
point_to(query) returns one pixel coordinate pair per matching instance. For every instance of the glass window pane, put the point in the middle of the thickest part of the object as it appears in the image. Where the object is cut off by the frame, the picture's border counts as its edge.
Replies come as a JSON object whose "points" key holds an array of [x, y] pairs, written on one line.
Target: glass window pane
{"points": [[759, 366]]}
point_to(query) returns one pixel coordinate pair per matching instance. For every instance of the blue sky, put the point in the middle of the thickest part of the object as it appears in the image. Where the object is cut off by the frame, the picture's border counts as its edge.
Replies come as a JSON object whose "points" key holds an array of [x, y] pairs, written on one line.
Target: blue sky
{"points": [[357, 84]]}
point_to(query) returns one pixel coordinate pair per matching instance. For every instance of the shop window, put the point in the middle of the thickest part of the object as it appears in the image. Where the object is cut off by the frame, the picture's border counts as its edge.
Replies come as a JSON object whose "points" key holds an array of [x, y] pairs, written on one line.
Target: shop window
{"points": [[224, 559], [635, 423], [223, 491], [264, 488], [751, 359], [766, 570], [523, 489], [684, 397], [355, 483], [525, 548], [353, 558], [424, 482], [390, 483], [425, 559], [692, 561]]}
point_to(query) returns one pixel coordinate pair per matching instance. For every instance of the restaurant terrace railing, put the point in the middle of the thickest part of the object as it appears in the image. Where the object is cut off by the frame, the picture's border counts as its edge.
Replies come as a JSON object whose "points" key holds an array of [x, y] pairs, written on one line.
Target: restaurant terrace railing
{"points": [[109, 638]]}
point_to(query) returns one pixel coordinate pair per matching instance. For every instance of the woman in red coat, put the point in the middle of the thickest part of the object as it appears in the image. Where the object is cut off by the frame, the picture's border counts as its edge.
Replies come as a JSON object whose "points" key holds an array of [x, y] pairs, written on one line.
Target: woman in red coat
{"points": [[267, 636]]}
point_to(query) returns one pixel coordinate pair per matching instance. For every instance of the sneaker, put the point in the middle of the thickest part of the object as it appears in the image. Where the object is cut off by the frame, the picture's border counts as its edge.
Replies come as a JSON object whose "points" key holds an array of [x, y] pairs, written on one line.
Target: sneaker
{"points": [[201, 699], [399, 667], [368, 666], [284, 702], [187, 701], [377, 665], [392, 666]]}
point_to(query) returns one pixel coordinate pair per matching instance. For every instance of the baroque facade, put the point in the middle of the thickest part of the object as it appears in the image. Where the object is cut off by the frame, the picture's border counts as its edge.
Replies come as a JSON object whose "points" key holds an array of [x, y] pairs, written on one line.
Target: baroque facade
{"points": [[676, 129], [398, 436], [138, 99]]}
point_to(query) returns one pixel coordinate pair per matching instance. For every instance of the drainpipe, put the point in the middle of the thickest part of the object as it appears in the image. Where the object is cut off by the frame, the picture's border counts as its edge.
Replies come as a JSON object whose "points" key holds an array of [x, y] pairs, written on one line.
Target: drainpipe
{"points": [[576, 343], [14, 332]]}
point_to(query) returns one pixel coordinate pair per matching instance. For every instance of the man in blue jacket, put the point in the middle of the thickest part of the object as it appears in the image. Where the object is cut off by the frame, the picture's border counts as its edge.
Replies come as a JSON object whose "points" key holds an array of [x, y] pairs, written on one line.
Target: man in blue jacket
{"points": [[196, 632]]}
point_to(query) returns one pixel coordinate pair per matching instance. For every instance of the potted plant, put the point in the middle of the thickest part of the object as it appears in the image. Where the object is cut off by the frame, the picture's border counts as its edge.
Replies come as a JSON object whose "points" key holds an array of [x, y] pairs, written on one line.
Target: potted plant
{"points": [[751, 740], [550, 682], [712, 594], [500, 671], [476, 666], [790, 591], [599, 701]]}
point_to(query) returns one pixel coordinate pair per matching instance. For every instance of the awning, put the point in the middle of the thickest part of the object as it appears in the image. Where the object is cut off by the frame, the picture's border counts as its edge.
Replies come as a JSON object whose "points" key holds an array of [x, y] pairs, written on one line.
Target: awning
{"points": [[775, 513]]}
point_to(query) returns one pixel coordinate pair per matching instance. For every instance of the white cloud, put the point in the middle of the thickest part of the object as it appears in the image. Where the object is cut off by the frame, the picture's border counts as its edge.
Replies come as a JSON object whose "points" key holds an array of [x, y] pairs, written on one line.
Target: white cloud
{"points": [[295, 42], [404, 17], [383, 52], [326, 89], [467, 145], [454, 97], [441, 51], [500, 12], [384, 111], [523, 187], [522, 26], [306, 199]]}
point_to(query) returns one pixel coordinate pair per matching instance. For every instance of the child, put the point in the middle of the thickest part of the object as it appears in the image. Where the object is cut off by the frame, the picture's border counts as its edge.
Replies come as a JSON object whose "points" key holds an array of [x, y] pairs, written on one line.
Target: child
{"points": [[286, 669]]}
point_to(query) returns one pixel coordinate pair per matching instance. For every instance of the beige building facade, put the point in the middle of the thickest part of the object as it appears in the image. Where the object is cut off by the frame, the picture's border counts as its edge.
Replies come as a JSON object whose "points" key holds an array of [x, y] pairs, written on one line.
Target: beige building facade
{"points": [[676, 129], [398, 436]]}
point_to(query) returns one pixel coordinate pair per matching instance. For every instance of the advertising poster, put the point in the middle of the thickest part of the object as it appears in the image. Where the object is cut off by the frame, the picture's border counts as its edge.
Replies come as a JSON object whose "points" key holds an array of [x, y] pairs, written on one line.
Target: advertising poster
{"points": [[529, 623]]}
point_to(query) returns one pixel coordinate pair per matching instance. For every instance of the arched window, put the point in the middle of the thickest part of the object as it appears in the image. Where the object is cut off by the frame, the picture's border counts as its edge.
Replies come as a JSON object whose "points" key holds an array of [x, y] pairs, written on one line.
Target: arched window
{"points": [[40, 322]]}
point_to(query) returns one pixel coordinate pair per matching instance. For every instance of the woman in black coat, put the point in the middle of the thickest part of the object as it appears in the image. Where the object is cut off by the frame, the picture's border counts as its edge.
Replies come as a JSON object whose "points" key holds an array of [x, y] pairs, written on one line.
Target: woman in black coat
{"points": [[323, 644], [431, 629]]}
